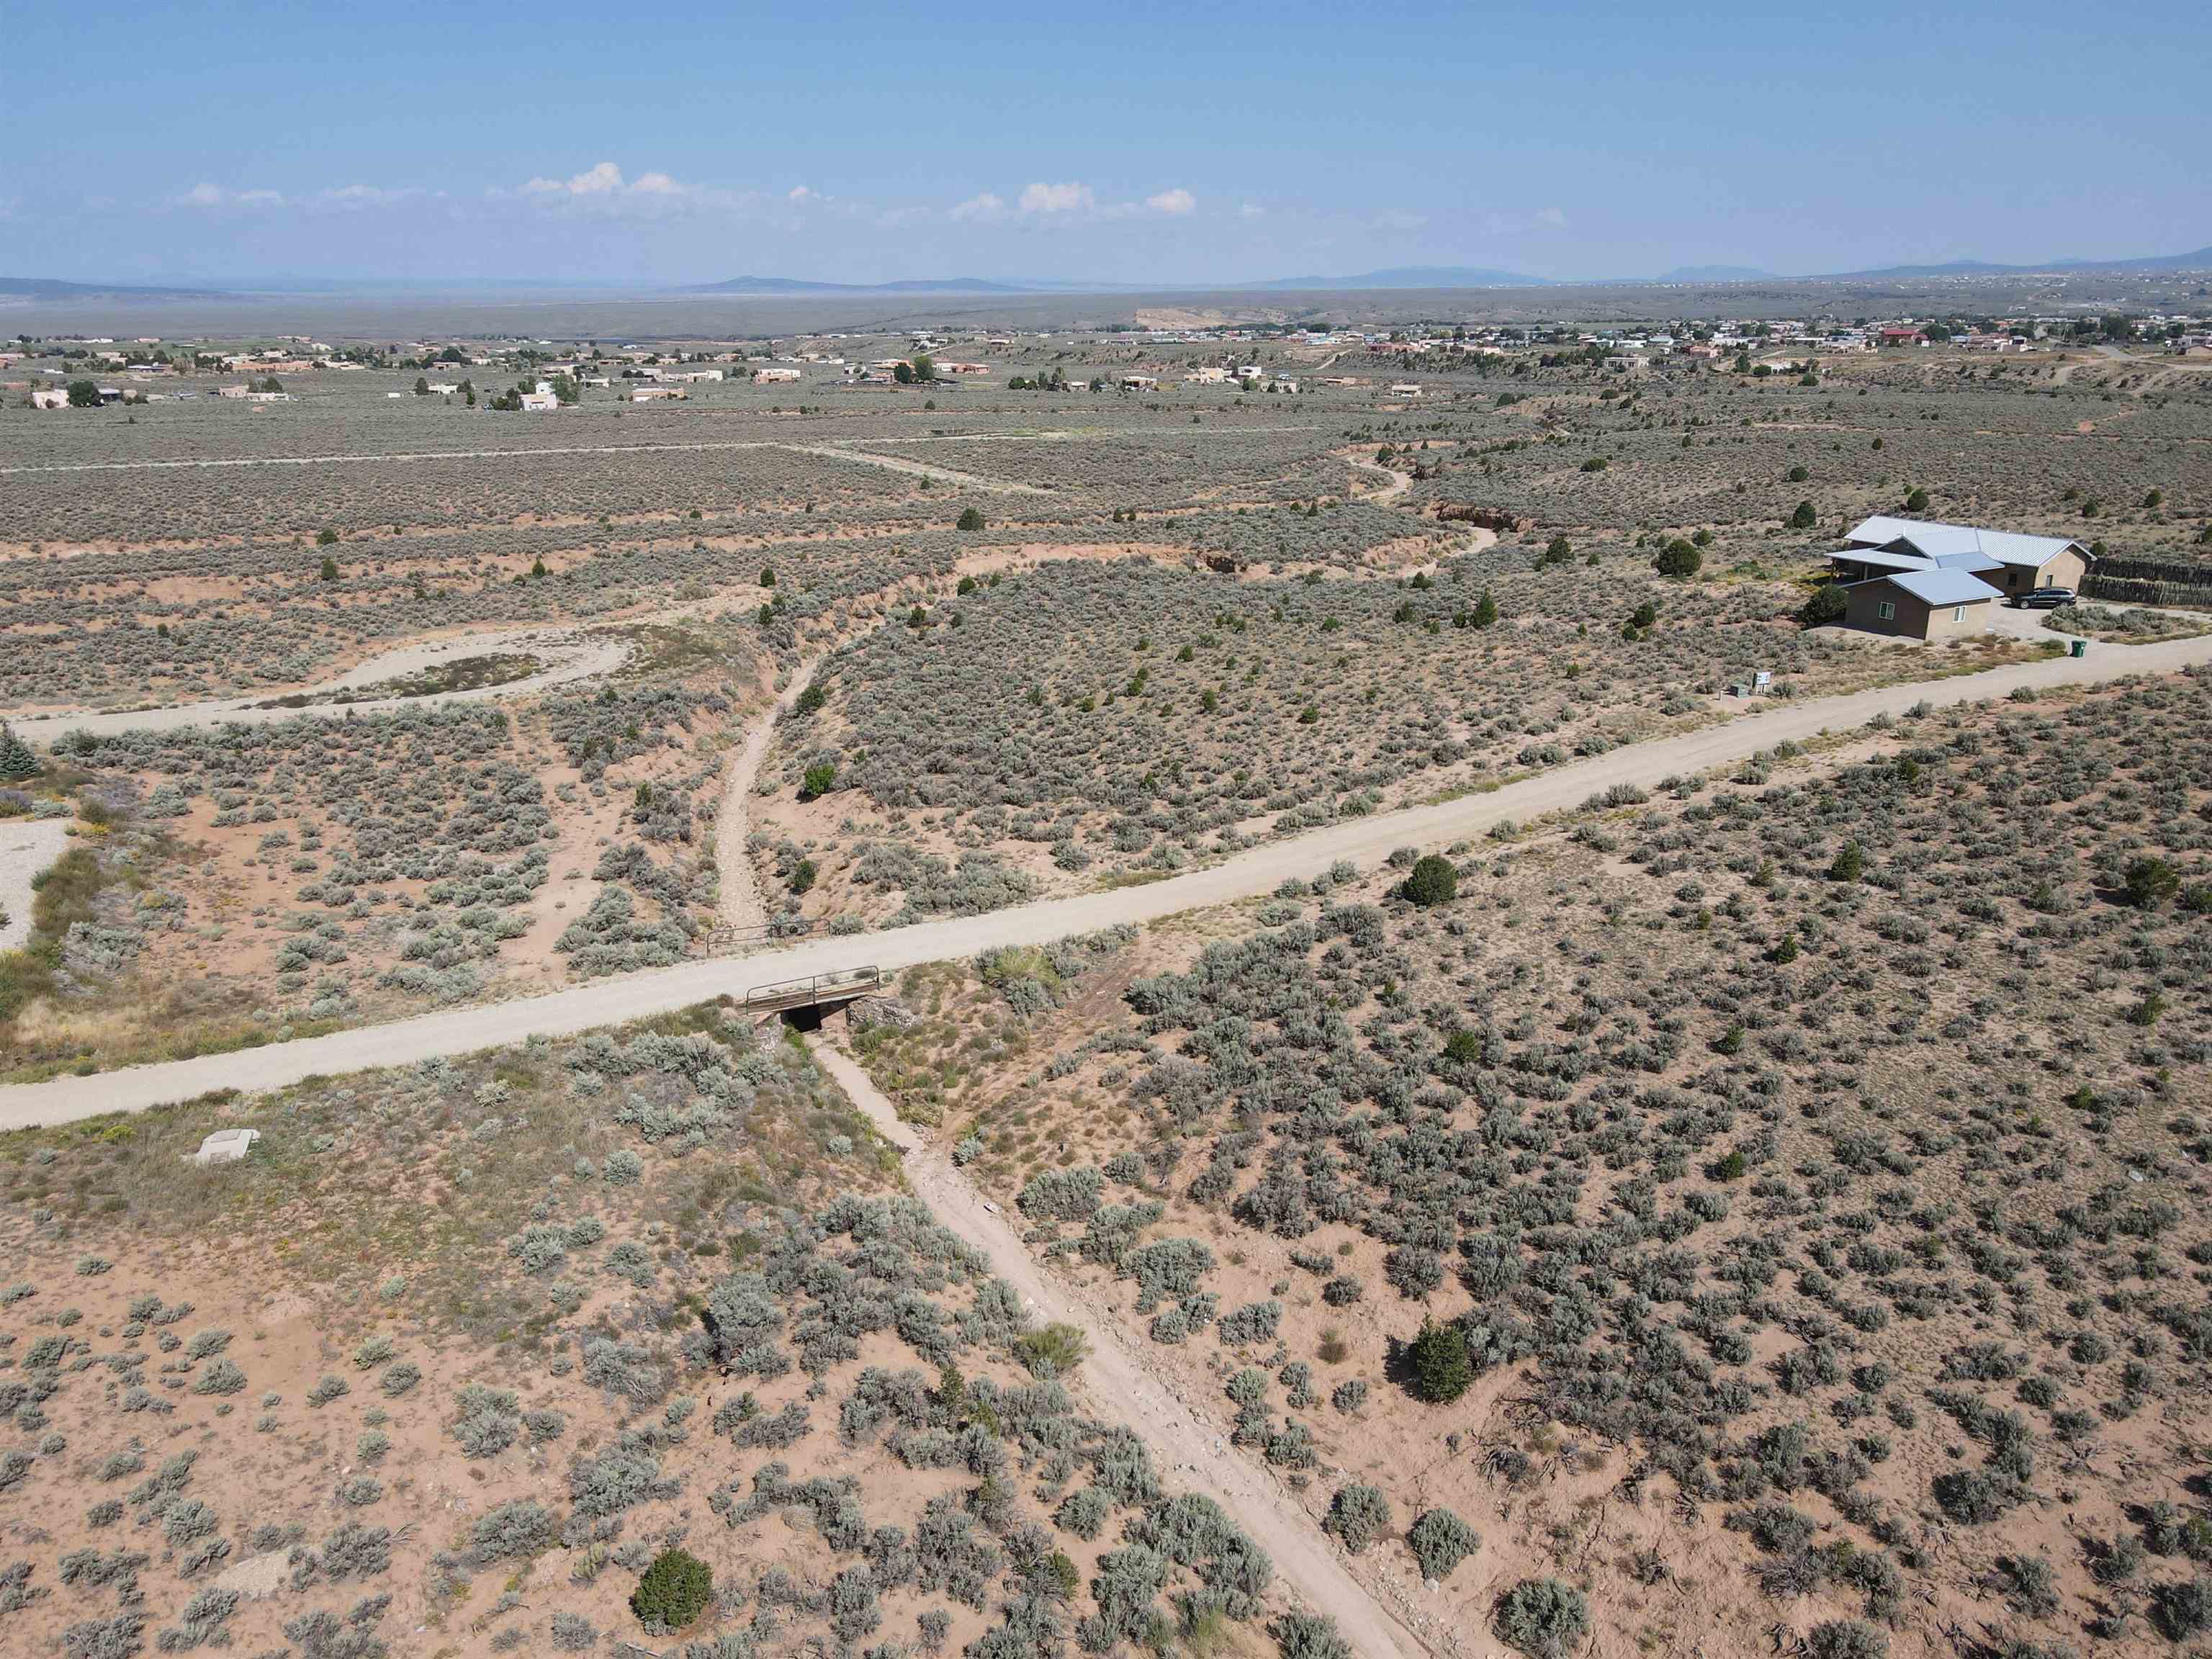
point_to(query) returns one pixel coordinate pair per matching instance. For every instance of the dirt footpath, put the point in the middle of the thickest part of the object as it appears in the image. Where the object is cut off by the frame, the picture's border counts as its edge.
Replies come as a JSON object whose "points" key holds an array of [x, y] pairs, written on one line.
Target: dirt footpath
{"points": [[1116, 1385], [27, 846]]}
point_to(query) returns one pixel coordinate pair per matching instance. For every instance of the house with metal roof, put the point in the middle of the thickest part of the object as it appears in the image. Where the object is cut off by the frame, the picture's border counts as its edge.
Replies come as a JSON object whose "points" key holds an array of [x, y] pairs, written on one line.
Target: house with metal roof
{"points": [[2012, 563], [1930, 604]]}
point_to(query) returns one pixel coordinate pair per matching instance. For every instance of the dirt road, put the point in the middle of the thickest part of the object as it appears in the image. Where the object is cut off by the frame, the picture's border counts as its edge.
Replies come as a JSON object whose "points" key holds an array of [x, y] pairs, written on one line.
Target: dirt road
{"points": [[1248, 874], [1395, 484], [567, 654], [1117, 1385]]}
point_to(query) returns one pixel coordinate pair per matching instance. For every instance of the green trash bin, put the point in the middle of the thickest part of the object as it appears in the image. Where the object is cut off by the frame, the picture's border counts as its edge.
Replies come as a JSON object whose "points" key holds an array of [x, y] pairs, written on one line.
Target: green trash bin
{"points": [[2079, 648]]}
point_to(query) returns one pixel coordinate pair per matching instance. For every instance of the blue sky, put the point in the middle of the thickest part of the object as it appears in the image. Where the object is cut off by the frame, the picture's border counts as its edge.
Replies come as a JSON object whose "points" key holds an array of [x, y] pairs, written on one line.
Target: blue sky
{"points": [[670, 144]]}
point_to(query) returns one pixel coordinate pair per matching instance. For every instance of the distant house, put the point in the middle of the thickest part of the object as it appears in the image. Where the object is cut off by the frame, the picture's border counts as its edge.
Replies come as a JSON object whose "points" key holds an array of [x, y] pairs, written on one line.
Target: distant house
{"points": [[1898, 336], [776, 376], [1920, 605], [1139, 382], [540, 403], [2007, 561], [1405, 391], [49, 397]]}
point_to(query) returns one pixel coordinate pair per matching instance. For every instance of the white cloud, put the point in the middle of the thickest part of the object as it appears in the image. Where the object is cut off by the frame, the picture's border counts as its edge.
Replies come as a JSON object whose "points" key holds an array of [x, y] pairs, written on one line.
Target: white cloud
{"points": [[1398, 219], [604, 179], [368, 195], [1057, 198], [801, 194], [1555, 218], [1250, 210], [1177, 202], [604, 187], [986, 208], [205, 195]]}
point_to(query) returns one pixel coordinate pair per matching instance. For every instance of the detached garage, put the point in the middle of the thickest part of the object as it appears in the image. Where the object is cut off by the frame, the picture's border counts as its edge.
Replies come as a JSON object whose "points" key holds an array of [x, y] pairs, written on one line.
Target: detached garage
{"points": [[1920, 605]]}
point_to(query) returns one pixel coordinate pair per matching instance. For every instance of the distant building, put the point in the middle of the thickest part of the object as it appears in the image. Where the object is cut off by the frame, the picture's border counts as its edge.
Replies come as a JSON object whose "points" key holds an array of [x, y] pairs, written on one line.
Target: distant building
{"points": [[1406, 389], [540, 403], [1139, 382], [777, 376], [49, 397]]}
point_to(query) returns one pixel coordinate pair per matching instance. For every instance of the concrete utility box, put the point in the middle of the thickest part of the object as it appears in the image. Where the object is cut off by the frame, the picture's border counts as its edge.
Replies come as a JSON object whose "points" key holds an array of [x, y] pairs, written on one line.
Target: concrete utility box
{"points": [[226, 1146]]}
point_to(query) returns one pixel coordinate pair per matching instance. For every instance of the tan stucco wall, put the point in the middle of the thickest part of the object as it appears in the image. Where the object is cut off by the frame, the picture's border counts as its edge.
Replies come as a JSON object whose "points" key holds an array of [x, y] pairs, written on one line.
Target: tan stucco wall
{"points": [[1914, 620], [1941, 627]]}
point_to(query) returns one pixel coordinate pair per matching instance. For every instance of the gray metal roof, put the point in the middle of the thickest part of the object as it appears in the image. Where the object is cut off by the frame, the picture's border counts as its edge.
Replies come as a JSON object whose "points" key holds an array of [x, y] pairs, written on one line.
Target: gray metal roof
{"points": [[1941, 586], [1935, 541]]}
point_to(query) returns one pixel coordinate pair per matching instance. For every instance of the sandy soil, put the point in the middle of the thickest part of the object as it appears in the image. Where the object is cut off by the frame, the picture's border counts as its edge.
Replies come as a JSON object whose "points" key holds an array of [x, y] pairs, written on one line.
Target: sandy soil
{"points": [[27, 846], [1248, 874], [1116, 1382]]}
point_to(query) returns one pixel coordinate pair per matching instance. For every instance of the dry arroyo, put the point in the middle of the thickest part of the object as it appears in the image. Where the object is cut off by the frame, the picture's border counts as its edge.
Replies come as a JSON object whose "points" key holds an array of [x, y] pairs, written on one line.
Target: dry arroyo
{"points": [[1118, 1384], [1246, 875], [738, 905]]}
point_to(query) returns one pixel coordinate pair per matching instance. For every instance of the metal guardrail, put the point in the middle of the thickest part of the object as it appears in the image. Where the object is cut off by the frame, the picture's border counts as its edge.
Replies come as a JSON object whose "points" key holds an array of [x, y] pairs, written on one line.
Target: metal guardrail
{"points": [[780, 995], [719, 939]]}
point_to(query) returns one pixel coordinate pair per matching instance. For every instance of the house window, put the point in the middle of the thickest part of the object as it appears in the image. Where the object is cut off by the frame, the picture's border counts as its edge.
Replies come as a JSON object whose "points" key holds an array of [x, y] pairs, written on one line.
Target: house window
{"points": [[1957, 613], [1886, 611]]}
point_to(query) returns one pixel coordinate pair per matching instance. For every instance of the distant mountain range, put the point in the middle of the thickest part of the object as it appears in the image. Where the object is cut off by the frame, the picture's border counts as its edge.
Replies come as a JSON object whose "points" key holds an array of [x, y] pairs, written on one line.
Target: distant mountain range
{"points": [[1446, 276], [1716, 273], [2199, 260], [46, 288], [917, 285], [31, 289], [1410, 277]]}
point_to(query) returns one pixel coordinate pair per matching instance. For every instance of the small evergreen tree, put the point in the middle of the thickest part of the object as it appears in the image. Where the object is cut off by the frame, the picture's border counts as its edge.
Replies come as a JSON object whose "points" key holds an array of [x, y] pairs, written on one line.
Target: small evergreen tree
{"points": [[674, 1591], [971, 519], [1442, 1369], [16, 760], [2151, 883], [1827, 606], [1433, 880], [1485, 611]]}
